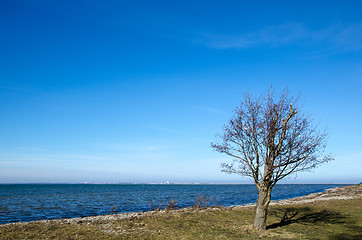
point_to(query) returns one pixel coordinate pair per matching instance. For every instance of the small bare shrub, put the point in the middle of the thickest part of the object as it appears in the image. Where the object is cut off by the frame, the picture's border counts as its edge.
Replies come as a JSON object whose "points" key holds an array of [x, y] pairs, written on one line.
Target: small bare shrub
{"points": [[202, 201], [154, 208], [171, 205]]}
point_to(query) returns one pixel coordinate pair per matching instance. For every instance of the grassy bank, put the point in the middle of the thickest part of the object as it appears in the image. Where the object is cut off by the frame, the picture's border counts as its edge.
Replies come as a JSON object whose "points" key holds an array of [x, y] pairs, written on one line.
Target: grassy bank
{"points": [[332, 219]]}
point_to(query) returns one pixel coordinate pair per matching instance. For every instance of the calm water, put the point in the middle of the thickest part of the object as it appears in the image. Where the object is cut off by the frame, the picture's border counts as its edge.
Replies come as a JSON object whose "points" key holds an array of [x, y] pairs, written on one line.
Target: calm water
{"points": [[27, 202]]}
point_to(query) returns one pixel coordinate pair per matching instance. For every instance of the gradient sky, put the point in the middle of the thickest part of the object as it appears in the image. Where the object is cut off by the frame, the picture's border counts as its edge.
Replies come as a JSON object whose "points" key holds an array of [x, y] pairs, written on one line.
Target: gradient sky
{"points": [[135, 91]]}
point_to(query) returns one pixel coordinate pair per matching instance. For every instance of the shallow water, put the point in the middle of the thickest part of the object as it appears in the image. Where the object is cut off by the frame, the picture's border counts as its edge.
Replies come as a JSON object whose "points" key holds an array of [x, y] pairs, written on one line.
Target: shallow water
{"points": [[28, 202]]}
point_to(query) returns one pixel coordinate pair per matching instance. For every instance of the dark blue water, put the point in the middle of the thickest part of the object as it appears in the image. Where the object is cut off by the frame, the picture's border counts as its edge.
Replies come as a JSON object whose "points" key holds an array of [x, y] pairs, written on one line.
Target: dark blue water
{"points": [[28, 202]]}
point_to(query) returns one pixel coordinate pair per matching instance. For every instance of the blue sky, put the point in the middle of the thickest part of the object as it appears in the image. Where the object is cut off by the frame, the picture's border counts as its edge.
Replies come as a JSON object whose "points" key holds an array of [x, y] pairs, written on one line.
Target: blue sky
{"points": [[135, 91]]}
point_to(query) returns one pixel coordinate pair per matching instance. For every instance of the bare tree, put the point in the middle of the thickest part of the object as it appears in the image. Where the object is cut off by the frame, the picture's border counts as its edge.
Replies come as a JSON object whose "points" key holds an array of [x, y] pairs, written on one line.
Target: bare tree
{"points": [[268, 139]]}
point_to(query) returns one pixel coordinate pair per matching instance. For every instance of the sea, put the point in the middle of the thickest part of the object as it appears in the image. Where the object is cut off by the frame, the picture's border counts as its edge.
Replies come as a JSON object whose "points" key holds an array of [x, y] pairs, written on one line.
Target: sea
{"points": [[29, 202]]}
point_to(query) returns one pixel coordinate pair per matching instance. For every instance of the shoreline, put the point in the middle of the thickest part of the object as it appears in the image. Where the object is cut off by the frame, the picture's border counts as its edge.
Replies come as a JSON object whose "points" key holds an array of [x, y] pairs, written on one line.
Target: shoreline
{"points": [[337, 193]]}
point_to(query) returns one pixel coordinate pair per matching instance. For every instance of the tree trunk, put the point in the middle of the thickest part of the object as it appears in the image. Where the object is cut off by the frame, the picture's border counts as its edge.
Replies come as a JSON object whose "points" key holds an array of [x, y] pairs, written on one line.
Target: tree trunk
{"points": [[262, 205]]}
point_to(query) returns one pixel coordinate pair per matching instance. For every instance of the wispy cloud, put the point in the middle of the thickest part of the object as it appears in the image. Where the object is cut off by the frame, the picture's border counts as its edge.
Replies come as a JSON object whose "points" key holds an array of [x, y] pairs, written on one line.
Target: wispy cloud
{"points": [[12, 89], [348, 38], [336, 38], [271, 36], [131, 147], [40, 158], [164, 129], [207, 109], [29, 149]]}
